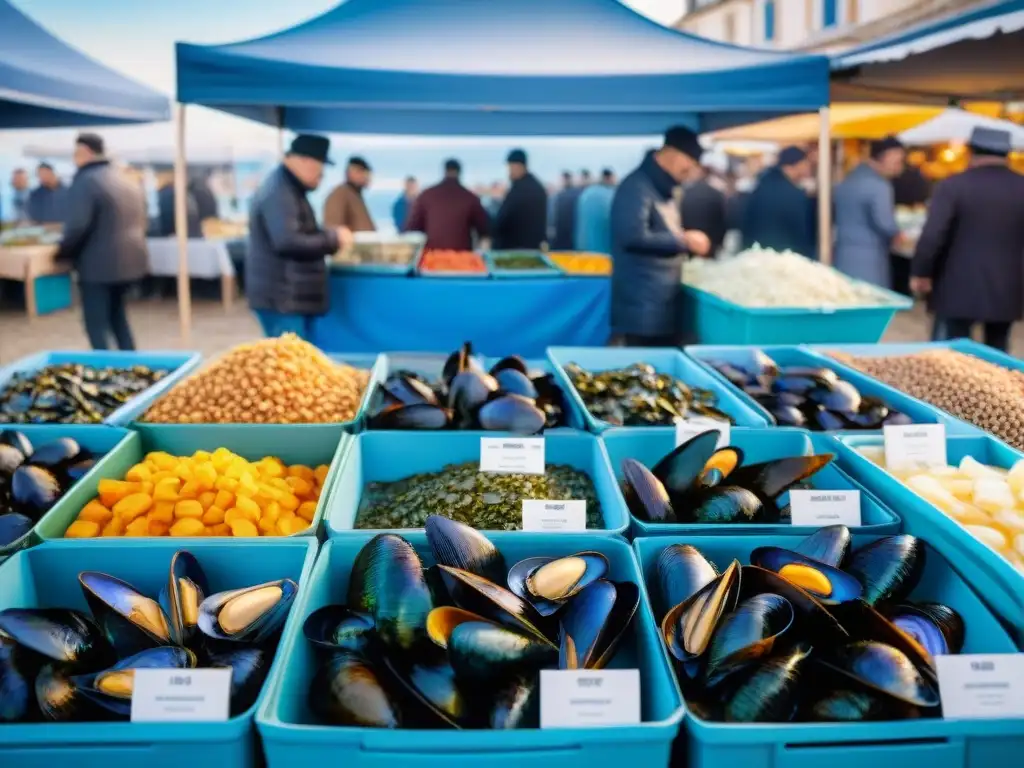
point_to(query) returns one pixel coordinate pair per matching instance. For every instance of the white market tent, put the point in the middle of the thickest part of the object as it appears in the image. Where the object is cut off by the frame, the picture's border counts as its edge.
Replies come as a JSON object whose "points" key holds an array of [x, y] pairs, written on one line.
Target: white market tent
{"points": [[956, 125]]}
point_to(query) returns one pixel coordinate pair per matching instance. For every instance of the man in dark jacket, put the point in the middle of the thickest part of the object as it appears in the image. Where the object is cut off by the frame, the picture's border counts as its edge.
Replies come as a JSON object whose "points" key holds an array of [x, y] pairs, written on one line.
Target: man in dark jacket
{"points": [[565, 213], [648, 244], [522, 219], [285, 266], [47, 203], [970, 256], [779, 214], [165, 209], [449, 213], [206, 201], [704, 209]]}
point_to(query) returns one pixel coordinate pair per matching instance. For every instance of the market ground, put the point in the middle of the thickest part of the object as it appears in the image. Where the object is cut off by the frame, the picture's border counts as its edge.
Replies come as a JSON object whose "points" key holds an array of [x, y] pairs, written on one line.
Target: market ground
{"points": [[214, 330]]}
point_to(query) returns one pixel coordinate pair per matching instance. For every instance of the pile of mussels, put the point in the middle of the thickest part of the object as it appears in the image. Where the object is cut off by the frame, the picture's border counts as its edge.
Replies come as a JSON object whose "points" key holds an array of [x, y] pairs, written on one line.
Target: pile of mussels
{"points": [[700, 483], [450, 645], [509, 398], [817, 633], [59, 664], [813, 398], [32, 480]]}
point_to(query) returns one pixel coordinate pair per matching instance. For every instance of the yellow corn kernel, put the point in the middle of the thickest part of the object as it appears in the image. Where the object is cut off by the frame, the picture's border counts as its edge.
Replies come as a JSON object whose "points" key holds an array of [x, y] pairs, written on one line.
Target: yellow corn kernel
{"points": [[244, 528], [316, 493], [270, 491], [190, 490], [292, 525], [271, 467], [137, 527], [206, 476], [266, 526], [213, 516], [188, 526], [221, 529], [226, 484], [133, 505], [300, 486], [188, 508], [235, 469], [320, 473], [114, 528], [151, 466], [224, 500], [302, 471], [146, 487], [162, 474], [158, 528], [162, 511], [202, 456], [249, 507], [247, 485], [138, 473], [272, 511], [162, 460], [95, 512], [112, 491], [289, 501], [207, 498], [222, 459], [306, 510], [82, 529], [167, 489]]}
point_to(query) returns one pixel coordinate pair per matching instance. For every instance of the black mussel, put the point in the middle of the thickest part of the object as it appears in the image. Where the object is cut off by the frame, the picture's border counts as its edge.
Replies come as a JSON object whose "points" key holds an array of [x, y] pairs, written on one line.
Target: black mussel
{"points": [[645, 494], [841, 396], [824, 582], [17, 699], [130, 621], [680, 469], [896, 419], [853, 707], [948, 621], [700, 408], [408, 390], [511, 413], [886, 669], [762, 365], [34, 490], [62, 635], [515, 382], [337, 628], [516, 705], [434, 687], [182, 595], [112, 688], [824, 420], [627, 601], [517, 583], [824, 377], [57, 454], [923, 623], [800, 385], [771, 478], [889, 568], [789, 398], [13, 526], [748, 634], [734, 373], [787, 415], [16, 439], [347, 690], [442, 621], [772, 692], [827, 545], [594, 623], [682, 572], [10, 459], [415, 416], [564, 577], [865, 623], [484, 654], [468, 391], [79, 469], [60, 700], [460, 546], [720, 466], [725, 504], [872, 414], [250, 615], [249, 668], [811, 619], [458, 361], [510, 363], [688, 627], [496, 603]]}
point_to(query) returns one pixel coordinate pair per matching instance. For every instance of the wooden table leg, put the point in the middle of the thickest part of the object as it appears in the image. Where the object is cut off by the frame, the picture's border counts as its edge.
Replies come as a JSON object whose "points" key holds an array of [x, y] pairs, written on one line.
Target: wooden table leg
{"points": [[30, 291], [227, 291]]}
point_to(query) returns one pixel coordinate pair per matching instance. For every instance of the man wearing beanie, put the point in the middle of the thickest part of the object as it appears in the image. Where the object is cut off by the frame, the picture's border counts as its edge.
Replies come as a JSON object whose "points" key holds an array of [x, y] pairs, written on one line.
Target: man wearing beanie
{"points": [[649, 244], [522, 220], [779, 214]]}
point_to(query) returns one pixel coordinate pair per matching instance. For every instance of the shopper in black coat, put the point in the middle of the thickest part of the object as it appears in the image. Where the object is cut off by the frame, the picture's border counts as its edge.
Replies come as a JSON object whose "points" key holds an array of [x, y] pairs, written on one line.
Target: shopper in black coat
{"points": [[704, 209], [522, 220]]}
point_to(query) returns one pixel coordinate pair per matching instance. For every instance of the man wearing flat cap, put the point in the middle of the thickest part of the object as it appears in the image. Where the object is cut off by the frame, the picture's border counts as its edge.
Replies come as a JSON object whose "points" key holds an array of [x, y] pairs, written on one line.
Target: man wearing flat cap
{"points": [[522, 219], [649, 244], [970, 256], [779, 214], [286, 267]]}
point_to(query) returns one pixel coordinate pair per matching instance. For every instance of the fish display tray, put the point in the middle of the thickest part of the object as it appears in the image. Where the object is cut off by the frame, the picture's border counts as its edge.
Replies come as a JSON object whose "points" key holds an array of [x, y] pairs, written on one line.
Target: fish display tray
{"points": [[291, 736], [649, 445], [500, 273], [718, 321], [178, 365], [47, 576], [993, 576], [665, 360], [935, 743], [310, 445], [388, 456], [413, 241], [446, 273], [918, 411]]}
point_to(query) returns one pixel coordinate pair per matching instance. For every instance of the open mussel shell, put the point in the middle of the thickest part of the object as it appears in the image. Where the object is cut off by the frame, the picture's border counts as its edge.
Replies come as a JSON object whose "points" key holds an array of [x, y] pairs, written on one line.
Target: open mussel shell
{"points": [[884, 668], [510, 363], [347, 690], [112, 688], [771, 478], [515, 382], [408, 390], [469, 390], [249, 668], [771, 694], [16, 439], [689, 626], [10, 459], [827, 584], [498, 604], [583, 623], [511, 413], [57, 454], [682, 571], [62, 635], [811, 619], [720, 466], [442, 621], [889, 568], [482, 653], [60, 700], [414, 416], [432, 685], [34, 490], [645, 494], [564, 577], [747, 634], [13, 526], [948, 621], [516, 705], [849, 706], [458, 545], [627, 600], [517, 584], [827, 545], [724, 504], [181, 597], [338, 628], [678, 470], [249, 615], [938, 628], [864, 623], [841, 396]]}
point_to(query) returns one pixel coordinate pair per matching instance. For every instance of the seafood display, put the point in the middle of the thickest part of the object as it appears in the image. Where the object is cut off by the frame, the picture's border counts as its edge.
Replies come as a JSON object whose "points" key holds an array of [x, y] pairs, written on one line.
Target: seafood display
{"points": [[372, 248], [459, 644], [822, 632], [810, 397], [581, 263], [72, 393], [483, 500], [452, 261], [640, 396], [34, 478], [510, 397], [281, 380], [762, 277], [62, 665], [987, 501], [700, 483], [205, 494], [979, 392], [518, 260]]}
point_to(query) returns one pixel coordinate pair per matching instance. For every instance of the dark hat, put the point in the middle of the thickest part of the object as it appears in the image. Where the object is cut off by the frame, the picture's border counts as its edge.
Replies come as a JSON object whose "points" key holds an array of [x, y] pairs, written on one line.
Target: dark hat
{"points": [[791, 156], [315, 147], [91, 140], [359, 162], [991, 141], [880, 147], [516, 156], [451, 165], [682, 138]]}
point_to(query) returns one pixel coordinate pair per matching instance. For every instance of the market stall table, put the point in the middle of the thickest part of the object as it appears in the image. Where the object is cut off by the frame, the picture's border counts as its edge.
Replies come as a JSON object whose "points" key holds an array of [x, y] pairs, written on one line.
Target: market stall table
{"points": [[47, 283], [207, 260]]}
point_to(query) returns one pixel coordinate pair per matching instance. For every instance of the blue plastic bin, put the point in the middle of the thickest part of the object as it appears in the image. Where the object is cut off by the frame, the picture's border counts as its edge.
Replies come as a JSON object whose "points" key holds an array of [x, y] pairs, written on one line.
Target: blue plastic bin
{"points": [[291, 737], [389, 456], [47, 576], [650, 445], [179, 365], [103, 442], [551, 270], [664, 360], [934, 743], [995, 578], [53, 293]]}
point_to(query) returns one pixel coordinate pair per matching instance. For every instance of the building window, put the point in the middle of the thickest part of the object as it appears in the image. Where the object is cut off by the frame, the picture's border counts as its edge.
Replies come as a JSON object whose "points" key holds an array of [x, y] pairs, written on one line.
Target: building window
{"points": [[829, 13], [852, 11], [730, 27], [769, 20]]}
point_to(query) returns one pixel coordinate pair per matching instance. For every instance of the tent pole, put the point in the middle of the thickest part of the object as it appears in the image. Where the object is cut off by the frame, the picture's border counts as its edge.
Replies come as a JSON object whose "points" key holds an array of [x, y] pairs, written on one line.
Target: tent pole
{"points": [[181, 226], [825, 187]]}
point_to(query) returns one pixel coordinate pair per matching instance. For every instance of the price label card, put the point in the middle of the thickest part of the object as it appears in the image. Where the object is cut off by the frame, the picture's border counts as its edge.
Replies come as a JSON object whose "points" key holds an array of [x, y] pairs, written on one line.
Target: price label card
{"points": [[686, 430], [582, 698], [913, 446], [981, 685], [181, 695], [543, 515], [512, 454], [821, 508]]}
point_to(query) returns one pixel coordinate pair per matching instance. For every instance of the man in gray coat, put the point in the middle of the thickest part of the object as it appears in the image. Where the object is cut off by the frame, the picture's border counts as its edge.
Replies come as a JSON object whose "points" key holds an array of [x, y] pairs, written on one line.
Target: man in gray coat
{"points": [[105, 241], [286, 266]]}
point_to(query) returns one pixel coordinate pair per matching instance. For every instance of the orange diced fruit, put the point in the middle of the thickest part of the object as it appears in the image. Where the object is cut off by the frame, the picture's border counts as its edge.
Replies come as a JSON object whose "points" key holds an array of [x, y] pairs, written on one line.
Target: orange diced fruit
{"points": [[162, 460], [206, 476], [137, 527], [306, 510], [266, 526], [114, 528], [188, 526], [188, 508], [226, 484], [292, 525], [300, 486], [202, 456], [96, 512], [167, 489], [162, 511], [221, 529], [138, 473], [271, 467], [213, 516], [190, 490], [82, 529], [158, 528], [112, 491], [206, 498], [132, 506], [242, 527], [248, 507], [224, 500], [320, 473], [302, 471], [289, 502]]}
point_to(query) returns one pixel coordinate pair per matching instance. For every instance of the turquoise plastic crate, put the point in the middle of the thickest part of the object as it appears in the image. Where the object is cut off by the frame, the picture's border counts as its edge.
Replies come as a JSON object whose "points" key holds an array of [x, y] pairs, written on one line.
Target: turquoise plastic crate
{"points": [[664, 360], [918, 411], [718, 321], [995, 578], [388, 456], [551, 270], [935, 743], [291, 737], [309, 445], [179, 365], [47, 576], [417, 239], [101, 441], [650, 445]]}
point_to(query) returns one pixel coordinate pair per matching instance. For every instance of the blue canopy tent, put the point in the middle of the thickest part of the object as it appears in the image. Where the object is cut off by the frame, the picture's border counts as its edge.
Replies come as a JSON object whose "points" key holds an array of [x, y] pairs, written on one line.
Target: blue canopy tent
{"points": [[974, 54]]}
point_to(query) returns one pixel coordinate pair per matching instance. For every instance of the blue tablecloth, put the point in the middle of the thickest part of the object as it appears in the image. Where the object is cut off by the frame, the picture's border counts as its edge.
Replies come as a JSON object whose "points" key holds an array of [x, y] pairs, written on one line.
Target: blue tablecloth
{"points": [[376, 313]]}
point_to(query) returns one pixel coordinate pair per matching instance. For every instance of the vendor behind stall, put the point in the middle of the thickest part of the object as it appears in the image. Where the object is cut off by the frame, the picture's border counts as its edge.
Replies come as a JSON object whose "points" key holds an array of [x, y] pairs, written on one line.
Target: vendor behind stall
{"points": [[778, 213], [48, 203], [345, 206], [521, 222], [449, 214]]}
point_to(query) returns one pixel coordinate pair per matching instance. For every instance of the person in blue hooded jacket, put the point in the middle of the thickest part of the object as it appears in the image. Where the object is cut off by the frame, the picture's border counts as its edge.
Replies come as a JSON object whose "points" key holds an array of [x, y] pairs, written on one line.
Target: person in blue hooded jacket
{"points": [[648, 246], [779, 214]]}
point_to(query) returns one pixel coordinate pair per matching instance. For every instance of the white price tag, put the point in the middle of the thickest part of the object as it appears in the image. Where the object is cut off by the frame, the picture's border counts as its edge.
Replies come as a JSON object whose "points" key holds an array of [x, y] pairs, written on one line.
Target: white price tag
{"points": [[696, 425], [981, 685], [915, 446], [582, 698], [543, 515], [181, 695], [821, 508], [512, 454]]}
